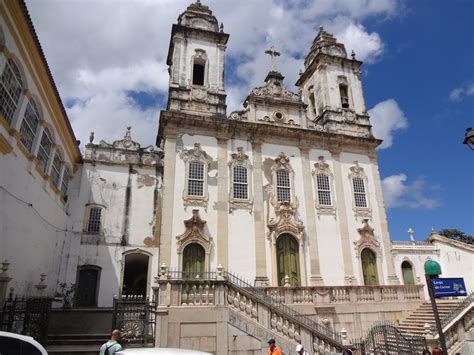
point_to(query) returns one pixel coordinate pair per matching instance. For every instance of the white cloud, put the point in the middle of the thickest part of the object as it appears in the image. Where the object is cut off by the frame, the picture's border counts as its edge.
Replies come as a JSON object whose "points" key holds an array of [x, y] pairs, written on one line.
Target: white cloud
{"points": [[107, 48], [386, 118], [458, 94], [398, 193]]}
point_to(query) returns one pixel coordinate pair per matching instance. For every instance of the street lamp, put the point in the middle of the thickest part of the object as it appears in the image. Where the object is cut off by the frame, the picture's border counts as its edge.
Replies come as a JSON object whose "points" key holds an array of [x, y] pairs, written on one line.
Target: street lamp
{"points": [[469, 138], [433, 270]]}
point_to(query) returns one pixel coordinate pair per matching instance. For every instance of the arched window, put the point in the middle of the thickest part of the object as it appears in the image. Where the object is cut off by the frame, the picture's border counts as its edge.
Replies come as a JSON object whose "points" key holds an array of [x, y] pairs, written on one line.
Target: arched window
{"points": [[65, 181], [135, 274], [344, 92], [199, 67], [56, 168], [407, 273], [95, 215], [29, 125], [44, 149], [11, 87]]}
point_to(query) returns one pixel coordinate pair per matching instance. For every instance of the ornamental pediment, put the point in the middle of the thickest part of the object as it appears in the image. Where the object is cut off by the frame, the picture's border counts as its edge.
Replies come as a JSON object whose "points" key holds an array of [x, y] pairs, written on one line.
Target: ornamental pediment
{"points": [[194, 233]]}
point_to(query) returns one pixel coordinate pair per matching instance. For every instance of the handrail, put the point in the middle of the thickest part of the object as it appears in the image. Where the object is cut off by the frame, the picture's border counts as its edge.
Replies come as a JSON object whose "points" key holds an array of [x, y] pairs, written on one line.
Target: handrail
{"points": [[238, 282], [457, 310]]}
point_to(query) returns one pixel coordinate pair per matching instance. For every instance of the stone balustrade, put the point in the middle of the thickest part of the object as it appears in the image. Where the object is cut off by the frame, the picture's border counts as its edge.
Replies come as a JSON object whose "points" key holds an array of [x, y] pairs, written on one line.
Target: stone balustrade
{"points": [[252, 304], [345, 294]]}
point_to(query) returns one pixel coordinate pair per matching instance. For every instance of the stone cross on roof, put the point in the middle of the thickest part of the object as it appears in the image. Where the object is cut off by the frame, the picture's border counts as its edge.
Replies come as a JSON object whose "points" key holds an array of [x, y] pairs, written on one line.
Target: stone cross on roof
{"points": [[411, 233], [273, 53]]}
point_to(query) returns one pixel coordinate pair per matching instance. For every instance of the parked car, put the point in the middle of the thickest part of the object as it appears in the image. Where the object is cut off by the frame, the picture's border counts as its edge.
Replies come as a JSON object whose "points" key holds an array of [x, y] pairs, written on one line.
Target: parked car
{"points": [[160, 351], [17, 344]]}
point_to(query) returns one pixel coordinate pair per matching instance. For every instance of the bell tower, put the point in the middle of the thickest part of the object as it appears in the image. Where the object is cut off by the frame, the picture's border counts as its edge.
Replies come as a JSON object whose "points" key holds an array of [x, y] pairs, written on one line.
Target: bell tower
{"points": [[196, 63], [331, 88]]}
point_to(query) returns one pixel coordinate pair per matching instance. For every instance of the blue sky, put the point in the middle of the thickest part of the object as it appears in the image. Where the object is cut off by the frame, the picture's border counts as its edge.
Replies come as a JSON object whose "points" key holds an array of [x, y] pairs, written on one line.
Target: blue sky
{"points": [[109, 62]]}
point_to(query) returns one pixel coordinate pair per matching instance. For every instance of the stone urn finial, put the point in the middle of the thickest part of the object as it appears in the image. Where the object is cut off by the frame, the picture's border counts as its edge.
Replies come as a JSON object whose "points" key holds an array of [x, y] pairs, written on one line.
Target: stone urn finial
{"points": [[287, 281]]}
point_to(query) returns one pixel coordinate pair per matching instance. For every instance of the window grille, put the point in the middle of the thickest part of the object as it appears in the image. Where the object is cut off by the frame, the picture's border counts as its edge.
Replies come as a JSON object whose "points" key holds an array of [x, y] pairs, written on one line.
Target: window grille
{"points": [[240, 183], [324, 189], [29, 125], [359, 192], [65, 181], [56, 169], [283, 186], [44, 149], [11, 87], [94, 223], [196, 179]]}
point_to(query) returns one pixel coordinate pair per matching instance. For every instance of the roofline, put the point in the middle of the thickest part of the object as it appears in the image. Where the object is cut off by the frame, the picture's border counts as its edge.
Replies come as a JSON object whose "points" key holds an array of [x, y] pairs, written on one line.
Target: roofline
{"points": [[34, 35]]}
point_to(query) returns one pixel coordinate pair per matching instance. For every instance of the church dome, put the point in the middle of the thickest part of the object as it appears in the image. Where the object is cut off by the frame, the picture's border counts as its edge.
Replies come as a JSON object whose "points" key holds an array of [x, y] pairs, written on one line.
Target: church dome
{"points": [[199, 16]]}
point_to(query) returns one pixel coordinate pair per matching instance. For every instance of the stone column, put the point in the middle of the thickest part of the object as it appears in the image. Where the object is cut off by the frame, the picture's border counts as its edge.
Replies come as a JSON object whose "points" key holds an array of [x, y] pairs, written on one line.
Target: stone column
{"points": [[4, 280], [168, 197], [315, 278], [222, 203], [342, 217], [261, 277], [386, 243]]}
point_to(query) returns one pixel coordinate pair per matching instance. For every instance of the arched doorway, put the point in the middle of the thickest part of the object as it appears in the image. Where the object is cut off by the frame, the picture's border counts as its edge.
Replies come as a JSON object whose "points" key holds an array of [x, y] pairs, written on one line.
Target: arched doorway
{"points": [[194, 257], [369, 267], [135, 274], [87, 286], [407, 273], [288, 260]]}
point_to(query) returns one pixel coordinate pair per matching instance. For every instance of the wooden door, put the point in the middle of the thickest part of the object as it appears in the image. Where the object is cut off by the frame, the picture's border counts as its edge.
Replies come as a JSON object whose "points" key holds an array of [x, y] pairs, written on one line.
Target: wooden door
{"points": [[288, 262], [193, 260], [369, 268], [86, 295]]}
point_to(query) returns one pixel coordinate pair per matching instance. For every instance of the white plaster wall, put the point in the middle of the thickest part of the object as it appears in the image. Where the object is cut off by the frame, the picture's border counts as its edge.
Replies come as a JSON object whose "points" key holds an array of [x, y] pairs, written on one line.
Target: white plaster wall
{"points": [[188, 50], [354, 222], [457, 262], [182, 213]]}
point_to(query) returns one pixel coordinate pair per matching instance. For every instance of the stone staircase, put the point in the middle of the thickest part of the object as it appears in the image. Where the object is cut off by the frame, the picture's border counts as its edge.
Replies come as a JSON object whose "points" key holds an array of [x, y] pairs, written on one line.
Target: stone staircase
{"points": [[415, 322]]}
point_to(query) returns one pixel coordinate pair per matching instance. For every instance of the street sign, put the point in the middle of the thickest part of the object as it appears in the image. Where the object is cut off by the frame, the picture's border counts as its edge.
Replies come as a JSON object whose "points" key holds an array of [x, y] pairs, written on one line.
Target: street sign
{"points": [[449, 287]]}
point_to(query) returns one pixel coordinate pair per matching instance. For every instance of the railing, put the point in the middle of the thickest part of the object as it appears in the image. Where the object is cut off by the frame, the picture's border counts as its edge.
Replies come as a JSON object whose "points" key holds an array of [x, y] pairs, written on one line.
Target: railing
{"points": [[458, 310], [224, 288], [346, 294]]}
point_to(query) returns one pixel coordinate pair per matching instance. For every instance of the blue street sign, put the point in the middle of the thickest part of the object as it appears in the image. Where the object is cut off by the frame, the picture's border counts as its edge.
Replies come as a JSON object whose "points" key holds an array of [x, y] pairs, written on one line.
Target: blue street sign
{"points": [[449, 287]]}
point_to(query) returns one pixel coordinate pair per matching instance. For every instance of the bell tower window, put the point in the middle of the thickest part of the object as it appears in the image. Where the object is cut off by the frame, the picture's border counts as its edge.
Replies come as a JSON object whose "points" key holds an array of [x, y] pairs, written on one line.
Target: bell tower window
{"points": [[344, 95], [199, 66]]}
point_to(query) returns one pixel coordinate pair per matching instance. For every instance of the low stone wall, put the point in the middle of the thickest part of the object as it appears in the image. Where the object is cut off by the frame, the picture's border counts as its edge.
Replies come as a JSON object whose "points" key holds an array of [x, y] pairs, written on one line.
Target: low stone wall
{"points": [[80, 321]]}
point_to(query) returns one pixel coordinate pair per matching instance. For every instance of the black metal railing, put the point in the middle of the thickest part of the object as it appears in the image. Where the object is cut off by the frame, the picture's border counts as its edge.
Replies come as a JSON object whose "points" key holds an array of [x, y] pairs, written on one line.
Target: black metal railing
{"points": [[458, 310], [26, 315], [259, 293]]}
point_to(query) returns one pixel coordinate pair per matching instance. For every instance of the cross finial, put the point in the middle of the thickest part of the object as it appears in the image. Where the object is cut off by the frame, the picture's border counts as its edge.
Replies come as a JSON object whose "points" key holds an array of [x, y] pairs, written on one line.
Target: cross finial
{"points": [[273, 53], [411, 233]]}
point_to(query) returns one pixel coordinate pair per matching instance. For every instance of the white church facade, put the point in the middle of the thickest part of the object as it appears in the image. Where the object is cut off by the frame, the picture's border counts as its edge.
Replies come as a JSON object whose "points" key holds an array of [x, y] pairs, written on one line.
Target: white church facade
{"points": [[285, 192]]}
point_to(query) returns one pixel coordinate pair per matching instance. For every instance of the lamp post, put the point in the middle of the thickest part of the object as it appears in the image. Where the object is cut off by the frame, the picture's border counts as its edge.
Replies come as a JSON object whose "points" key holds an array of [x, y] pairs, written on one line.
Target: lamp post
{"points": [[469, 138], [433, 270]]}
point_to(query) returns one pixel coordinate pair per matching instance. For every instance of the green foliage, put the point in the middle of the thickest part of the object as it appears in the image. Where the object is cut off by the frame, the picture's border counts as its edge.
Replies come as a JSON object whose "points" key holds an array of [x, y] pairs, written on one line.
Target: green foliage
{"points": [[458, 235]]}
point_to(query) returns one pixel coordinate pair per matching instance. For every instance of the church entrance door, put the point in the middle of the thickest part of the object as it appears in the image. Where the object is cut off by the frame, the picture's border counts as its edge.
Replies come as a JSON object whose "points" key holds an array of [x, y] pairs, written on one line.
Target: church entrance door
{"points": [[87, 286], [407, 272], [135, 275], [288, 260], [369, 267], [193, 260]]}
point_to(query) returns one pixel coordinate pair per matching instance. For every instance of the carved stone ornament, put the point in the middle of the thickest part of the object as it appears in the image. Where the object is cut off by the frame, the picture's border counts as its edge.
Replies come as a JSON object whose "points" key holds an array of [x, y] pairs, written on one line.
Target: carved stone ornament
{"points": [[199, 94], [197, 153], [238, 116], [366, 239], [286, 221], [194, 233], [240, 159], [275, 89]]}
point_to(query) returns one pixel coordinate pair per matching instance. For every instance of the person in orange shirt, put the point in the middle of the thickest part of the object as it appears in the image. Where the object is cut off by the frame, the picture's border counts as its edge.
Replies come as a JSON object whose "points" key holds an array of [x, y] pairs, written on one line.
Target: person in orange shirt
{"points": [[272, 348]]}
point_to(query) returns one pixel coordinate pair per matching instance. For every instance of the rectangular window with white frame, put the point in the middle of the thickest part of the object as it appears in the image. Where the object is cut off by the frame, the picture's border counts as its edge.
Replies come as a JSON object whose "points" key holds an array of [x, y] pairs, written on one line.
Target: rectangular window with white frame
{"points": [[360, 198], [283, 186], [240, 183], [196, 178], [324, 189]]}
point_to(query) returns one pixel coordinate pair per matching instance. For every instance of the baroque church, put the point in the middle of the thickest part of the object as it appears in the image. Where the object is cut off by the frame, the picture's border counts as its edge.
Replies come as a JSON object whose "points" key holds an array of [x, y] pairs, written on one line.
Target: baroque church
{"points": [[285, 193]]}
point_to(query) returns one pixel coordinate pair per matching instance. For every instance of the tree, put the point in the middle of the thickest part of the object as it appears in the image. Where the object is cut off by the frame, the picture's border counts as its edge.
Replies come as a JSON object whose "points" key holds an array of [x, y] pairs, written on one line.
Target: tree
{"points": [[458, 235]]}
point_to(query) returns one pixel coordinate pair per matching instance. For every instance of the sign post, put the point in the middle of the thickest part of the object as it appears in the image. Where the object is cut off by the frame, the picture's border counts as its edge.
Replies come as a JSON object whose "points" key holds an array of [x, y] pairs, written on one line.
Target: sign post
{"points": [[432, 271]]}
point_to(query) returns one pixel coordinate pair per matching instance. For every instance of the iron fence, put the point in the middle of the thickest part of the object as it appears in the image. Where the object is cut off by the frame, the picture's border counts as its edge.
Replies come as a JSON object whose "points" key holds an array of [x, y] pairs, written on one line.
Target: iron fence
{"points": [[26, 315], [134, 316]]}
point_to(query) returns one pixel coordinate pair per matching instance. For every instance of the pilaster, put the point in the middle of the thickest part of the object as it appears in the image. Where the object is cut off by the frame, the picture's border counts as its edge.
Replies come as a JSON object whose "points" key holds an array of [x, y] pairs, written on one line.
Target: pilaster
{"points": [[168, 198], [315, 278], [386, 243], [261, 277], [222, 203], [342, 217]]}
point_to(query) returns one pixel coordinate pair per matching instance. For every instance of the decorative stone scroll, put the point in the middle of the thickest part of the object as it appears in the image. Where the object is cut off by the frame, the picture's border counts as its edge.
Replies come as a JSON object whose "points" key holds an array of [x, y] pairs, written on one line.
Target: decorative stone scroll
{"points": [[366, 239]]}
